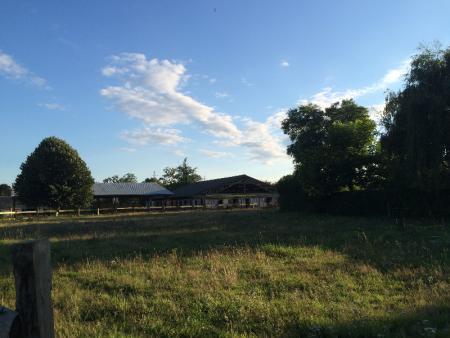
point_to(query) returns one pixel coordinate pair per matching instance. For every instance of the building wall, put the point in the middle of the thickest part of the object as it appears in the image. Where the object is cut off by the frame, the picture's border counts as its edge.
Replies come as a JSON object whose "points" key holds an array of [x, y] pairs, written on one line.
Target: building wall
{"points": [[230, 202]]}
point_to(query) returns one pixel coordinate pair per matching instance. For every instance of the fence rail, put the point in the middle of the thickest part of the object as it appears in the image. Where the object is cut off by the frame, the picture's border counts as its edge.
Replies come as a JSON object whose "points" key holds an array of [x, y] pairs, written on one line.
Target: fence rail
{"points": [[98, 211]]}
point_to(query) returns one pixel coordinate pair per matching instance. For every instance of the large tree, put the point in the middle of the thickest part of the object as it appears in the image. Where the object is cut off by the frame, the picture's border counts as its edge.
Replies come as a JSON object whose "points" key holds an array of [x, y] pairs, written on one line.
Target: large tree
{"points": [[180, 175], [332, 148], [127, 178], [5, 190], [416, 121], [54, 175]]}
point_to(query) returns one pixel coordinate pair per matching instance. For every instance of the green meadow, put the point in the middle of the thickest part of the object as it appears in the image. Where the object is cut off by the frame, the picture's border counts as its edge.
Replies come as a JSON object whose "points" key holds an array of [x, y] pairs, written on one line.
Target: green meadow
{"points": [[242, 273]]}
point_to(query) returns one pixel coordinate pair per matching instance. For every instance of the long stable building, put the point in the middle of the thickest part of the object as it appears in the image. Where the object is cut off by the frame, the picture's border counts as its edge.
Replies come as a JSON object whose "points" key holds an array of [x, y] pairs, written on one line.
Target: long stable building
{"points": [[234, 191], [129, 194]]}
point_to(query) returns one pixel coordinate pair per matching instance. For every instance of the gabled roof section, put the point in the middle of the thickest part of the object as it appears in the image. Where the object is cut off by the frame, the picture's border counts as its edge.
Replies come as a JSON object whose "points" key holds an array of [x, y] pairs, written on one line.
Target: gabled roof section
{"points": [[129, 189], [219, 185]]}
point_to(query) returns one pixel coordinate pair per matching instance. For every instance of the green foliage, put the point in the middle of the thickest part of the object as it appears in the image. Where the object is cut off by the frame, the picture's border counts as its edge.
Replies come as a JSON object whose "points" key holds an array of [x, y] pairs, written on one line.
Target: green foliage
{"points": [[152, 180], [332, 148], [5, 190], [54, 175], [416, 120], [292, 195], [242, 274], [127, 178], [178, 176]]}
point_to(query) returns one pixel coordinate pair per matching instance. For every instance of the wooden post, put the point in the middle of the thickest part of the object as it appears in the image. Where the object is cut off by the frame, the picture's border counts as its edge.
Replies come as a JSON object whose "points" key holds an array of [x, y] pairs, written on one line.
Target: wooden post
{"points": [[98, 211], [33, 282]]}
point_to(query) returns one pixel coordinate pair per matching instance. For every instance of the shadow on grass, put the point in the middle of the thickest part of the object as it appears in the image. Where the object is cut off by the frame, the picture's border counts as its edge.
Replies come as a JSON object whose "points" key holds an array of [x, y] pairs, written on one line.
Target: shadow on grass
{"points": [[428, 321], [378, 242]]}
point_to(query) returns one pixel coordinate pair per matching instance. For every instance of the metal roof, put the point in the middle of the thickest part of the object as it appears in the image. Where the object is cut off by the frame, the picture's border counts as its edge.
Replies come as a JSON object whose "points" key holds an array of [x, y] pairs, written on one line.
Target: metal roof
{"points": [[129, 189], [209, 186]]}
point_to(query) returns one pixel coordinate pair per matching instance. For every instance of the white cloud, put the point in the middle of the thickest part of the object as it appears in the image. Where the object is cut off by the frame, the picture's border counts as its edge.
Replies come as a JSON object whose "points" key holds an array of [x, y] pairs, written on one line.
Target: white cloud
{"points": [[52, 106], [214, 154], [328, 96], [212, 80], [264, 141], [284, 63], [11, 69], [150, 90], [146, 135]]}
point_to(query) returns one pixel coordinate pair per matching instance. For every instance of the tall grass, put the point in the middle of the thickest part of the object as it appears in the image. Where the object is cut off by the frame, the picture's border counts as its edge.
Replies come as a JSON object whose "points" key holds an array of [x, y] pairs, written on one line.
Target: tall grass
{"points": [[243, 274]]}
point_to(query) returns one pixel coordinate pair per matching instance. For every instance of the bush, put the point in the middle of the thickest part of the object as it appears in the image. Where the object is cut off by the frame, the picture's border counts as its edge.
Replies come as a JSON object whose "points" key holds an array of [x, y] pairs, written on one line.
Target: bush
{"points": [[411, 203], [54, 175]]}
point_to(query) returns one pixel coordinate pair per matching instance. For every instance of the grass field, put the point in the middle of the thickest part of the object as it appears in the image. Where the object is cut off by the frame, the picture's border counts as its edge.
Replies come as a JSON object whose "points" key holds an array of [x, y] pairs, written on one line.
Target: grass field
{"points": [[244, 274]]}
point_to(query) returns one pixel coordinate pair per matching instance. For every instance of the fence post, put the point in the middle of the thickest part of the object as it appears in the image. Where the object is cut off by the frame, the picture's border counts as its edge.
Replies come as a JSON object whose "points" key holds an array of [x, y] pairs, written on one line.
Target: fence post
{"points": [[33, 282]]}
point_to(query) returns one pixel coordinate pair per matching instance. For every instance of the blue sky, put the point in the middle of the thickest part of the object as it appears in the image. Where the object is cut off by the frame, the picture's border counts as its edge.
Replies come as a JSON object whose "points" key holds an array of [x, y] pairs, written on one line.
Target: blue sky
{"points": [[136, 86]]}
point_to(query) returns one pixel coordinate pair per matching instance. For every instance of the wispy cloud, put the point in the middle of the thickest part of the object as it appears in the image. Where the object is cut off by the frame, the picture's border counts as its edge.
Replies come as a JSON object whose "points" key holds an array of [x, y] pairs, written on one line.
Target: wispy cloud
{"points": [[284, 63], [221, 95], [179, 153], [245, 82], [52, 106], [67, 42], [146, 135], [213, 153], [264, 141], [11, 69], [128, 149], [210, 79], [328, 96]]}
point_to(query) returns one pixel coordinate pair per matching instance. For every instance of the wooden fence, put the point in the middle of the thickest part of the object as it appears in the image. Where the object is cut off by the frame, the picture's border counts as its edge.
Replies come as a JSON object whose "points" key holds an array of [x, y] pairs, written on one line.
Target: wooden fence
{"points": [[98, 211], [33, 317]]}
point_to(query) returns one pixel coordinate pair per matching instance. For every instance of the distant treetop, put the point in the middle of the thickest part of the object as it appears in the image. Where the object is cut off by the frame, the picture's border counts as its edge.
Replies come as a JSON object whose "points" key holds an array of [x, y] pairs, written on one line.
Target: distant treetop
{"points": [[127, 178], [5, 190]]}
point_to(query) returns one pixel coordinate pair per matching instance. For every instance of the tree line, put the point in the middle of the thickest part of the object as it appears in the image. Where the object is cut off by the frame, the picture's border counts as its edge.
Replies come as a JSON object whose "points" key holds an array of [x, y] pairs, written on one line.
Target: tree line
{"points": [[339, 151], [172, 178]]}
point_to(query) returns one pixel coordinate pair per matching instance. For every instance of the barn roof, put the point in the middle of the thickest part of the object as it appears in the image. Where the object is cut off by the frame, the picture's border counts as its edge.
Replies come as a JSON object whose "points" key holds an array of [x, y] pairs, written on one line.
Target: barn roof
{"points": [[129, 189], [216, 185]]}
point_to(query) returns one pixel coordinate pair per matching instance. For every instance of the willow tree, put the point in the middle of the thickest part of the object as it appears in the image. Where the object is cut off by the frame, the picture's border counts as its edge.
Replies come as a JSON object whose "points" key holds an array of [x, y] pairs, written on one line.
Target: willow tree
{"points": [[55, 176], [417, 121]]}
